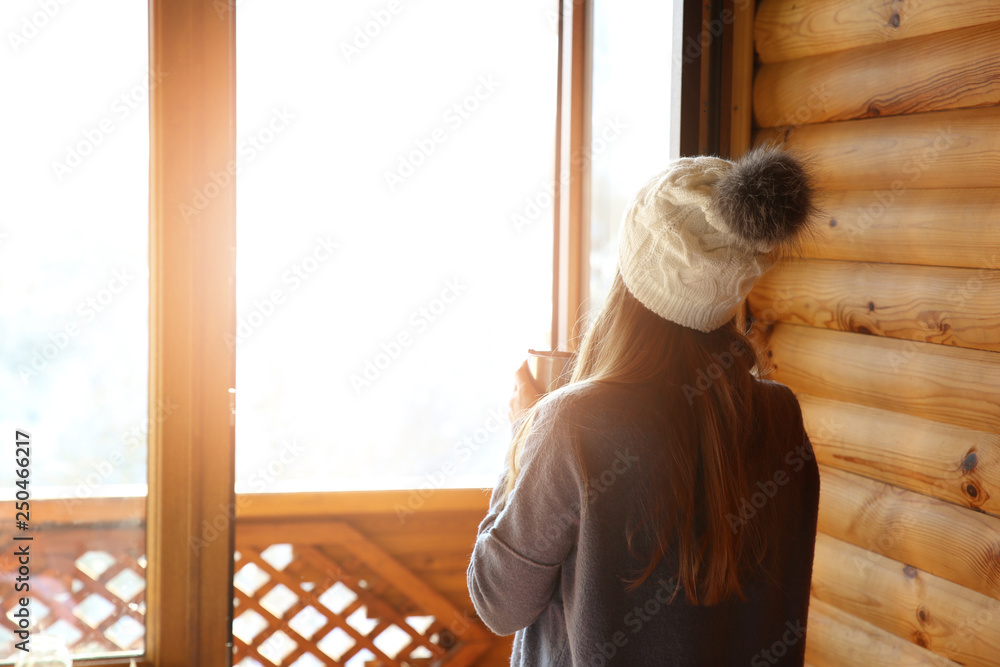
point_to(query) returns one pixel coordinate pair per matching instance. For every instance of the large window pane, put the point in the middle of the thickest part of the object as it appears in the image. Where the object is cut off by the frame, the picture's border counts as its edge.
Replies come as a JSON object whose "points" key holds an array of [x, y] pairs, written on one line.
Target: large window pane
{"points": [[635, 130], [73, 317], [394, 236]]}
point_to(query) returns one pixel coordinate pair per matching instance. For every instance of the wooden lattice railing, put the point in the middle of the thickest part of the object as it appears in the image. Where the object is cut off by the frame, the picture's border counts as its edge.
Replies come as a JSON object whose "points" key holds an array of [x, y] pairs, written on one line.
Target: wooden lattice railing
{"points": [[343, 600], [309, 589], [87, 586]]}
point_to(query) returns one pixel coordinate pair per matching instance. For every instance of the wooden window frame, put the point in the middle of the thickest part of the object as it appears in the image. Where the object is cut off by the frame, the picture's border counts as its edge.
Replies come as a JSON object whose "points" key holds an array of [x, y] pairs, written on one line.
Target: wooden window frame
{"points": [[715, 119], [192, 263]]}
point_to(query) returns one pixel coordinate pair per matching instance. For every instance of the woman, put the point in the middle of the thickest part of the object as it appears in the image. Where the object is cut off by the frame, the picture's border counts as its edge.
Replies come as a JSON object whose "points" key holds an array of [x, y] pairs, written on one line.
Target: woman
{"points": [[660, 509]]}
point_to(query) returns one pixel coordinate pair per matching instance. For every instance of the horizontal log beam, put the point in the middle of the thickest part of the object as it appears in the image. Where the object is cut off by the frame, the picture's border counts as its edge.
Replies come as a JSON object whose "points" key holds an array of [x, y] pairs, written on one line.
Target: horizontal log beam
{"points": [[946, 70], [834, 637], [945, 149], [934, 304], [911, 226], [952, 542], [929, 611], [938, 382], [957, 465], [787, 29]]}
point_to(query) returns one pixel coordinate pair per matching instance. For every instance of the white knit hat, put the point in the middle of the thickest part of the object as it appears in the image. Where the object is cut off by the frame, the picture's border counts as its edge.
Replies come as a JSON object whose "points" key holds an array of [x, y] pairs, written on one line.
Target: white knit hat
{"points": [[698, 236]]}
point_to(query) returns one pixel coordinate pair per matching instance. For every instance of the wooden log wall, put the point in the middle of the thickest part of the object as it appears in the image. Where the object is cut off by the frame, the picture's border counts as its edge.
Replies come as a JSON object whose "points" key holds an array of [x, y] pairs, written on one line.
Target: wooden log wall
{"points": [[887, 325]]}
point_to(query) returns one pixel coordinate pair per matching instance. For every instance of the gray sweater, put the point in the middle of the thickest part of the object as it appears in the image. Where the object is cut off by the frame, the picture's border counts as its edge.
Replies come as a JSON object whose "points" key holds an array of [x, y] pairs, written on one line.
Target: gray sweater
{"points": [[549, 573]]}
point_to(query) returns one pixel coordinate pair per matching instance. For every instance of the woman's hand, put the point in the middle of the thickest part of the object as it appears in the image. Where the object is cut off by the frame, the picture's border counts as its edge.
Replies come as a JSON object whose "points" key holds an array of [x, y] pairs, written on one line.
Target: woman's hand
{"points": [[526, 393]]}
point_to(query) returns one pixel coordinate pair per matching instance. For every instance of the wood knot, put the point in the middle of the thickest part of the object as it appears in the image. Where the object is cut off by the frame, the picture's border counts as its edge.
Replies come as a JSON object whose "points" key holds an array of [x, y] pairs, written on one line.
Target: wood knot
{"points": [[922, 615], [894, 20], [871, 306], [920, 639], [971, 490], [833, 222], [446, 639], [969, 462], [909, 571], [864, 330], [873, 110]]}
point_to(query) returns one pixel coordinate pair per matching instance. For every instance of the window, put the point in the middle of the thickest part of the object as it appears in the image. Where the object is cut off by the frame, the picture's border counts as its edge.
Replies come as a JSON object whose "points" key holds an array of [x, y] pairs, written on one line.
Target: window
{"points": [[394, 234], [74, 326], [634, 117]]}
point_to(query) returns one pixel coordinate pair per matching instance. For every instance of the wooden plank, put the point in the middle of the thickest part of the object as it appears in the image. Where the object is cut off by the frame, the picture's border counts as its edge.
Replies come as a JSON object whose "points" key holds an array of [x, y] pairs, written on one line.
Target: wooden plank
{"points": [[911, 226], [436, 562], [298, 531], [938, 382], [955, 464], [834, 637], [92, 512], [934, 304], [952, 542], [945, 149], [929, 611], [423, 544], [420, 523], [741, 113], [325, 504], [787, 29], [948, 70]]}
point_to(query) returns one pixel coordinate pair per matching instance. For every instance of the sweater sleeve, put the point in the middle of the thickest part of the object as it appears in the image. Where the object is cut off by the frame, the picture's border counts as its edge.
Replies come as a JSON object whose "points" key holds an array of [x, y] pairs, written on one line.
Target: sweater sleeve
{"points": [[521, 545]]}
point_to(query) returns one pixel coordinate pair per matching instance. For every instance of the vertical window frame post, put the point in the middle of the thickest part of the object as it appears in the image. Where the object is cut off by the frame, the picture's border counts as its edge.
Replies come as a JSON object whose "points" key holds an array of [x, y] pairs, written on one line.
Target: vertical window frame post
{"points": [[192, 324]]}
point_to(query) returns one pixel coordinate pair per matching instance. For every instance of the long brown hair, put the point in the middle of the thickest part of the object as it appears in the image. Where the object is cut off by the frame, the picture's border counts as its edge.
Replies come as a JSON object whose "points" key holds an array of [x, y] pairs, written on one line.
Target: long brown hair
{"points": [[705, 382]]}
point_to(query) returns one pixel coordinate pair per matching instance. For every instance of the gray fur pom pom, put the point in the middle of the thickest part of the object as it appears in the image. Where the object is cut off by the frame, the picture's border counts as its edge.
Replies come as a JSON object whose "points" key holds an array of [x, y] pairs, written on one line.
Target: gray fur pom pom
{"points": [[767, 198]]}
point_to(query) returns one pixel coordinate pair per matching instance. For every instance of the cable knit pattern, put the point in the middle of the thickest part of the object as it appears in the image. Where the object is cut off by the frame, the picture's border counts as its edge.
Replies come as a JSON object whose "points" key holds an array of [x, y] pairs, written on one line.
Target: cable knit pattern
{"points": [[678, 258]]}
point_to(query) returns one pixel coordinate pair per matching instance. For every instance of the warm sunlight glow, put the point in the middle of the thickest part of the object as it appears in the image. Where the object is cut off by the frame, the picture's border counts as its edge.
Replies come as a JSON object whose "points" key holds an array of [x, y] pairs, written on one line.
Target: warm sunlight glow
{"points": [[394, 237]]}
